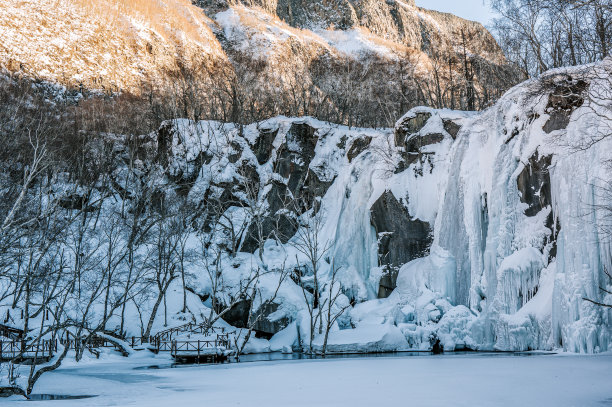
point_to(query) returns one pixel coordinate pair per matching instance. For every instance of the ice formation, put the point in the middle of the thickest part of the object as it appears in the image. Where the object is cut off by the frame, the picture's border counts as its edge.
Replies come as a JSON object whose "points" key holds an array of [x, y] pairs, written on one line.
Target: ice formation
{"points": [[516, 270], [513, 198], [509, 197]]}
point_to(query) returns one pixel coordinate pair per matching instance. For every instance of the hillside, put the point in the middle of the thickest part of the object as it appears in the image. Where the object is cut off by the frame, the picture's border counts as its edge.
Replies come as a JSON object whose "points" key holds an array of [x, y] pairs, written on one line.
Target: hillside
{"points": [[104, 44], [339, 61], [398, 22]]}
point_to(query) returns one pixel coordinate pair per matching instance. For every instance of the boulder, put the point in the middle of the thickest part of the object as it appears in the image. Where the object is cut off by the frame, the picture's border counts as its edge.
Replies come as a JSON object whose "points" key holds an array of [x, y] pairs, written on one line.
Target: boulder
{"points": [[410, 125], [265, 327], [238, 316], [358, 147], [566, 97], [451, 127]]}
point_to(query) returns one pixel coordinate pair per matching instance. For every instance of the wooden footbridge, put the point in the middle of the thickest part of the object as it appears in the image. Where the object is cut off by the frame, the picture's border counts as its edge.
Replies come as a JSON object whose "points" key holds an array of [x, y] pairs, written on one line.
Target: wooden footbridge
{"points": [[14, 347], [213, 345], [36, 352]]}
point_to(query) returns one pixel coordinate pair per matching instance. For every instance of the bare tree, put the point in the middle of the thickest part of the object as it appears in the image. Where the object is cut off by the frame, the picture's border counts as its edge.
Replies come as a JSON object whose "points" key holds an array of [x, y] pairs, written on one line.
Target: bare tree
{"points": [[333, 306], [255, 314], [542, 34], [310, 242], [162, 264], [604, 290]]}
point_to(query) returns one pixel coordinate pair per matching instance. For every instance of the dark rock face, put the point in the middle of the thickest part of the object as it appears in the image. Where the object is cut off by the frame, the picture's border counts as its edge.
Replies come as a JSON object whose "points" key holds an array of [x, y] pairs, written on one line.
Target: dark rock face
{"points": [[185, 177], [75, 202], [568, 95], [559, 119], [238, 316], [305, 136], [186, 180], [401, 238], [249, 172], [283, 226], [564, 99], [278, 196], [295, 156], [263, 146], [164, 142], [293, 160], [416, 142], [358, 147], [235, 155], [300, 193], [408, 135], [410, 126], [451, 127], [266, 328], [315, 187], [534, 185]]}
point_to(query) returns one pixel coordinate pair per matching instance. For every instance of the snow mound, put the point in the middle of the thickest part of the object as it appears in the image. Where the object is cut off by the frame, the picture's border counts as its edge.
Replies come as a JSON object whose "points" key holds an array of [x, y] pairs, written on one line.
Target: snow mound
{"points": [[364, 339]]}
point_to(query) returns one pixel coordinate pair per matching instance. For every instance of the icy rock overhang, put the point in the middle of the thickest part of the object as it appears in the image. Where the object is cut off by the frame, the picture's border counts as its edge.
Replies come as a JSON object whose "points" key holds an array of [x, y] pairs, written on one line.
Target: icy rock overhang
{"points": [[422, 127]]}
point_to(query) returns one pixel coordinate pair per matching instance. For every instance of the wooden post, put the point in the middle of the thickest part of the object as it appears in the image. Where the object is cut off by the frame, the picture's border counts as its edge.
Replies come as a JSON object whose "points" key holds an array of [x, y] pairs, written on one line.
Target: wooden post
{"points": [[198, 351]]}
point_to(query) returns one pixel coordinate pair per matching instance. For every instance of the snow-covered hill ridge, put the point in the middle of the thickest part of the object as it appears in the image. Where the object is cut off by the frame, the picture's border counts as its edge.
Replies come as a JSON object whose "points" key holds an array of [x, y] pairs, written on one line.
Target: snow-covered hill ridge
{"points": [[483, 230], [399, 22]]}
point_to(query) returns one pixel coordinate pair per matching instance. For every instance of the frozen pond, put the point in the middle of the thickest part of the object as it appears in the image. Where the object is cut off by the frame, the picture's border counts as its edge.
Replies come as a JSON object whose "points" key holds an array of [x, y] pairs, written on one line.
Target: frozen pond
{"points": [[278, 356], [469, 379]]}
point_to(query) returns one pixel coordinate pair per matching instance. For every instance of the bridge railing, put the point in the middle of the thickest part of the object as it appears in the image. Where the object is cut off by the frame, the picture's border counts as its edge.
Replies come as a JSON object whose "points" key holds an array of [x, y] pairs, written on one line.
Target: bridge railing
{"points": [[19, 349], [10, 332], [194, 347]]}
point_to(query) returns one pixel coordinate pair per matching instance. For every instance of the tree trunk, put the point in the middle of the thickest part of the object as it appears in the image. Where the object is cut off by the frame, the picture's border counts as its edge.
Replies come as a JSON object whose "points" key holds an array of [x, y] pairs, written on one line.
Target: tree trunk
{"points": [[160, 297]]}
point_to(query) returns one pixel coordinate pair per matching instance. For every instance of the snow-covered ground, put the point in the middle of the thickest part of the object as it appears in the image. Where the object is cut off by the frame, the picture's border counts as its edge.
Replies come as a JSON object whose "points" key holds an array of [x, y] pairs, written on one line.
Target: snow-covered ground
{"points": [[446, 380]]}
